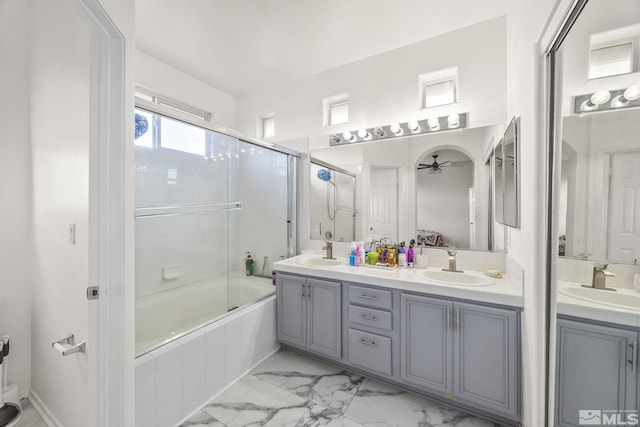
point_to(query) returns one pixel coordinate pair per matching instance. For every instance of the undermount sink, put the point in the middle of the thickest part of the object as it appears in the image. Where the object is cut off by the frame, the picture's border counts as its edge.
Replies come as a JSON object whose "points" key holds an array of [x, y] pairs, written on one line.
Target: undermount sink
{"points": [[318, 261], [452, 278], [621, 298]]}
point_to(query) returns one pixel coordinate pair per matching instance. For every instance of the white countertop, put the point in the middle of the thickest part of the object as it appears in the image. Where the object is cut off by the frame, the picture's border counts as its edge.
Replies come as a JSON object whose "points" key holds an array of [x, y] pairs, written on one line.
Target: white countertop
{"points": [[595, 310], [503, 291]]}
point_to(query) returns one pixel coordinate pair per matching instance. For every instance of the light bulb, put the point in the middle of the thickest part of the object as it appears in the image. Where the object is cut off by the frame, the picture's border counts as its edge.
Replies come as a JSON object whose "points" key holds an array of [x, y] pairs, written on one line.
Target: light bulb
{"points": [[413, 125], [434, 123], [335, 139], [395, 128], [363, 133], [380, 132], [600, 97], [632, 93], [347, 135], [453, 120]]}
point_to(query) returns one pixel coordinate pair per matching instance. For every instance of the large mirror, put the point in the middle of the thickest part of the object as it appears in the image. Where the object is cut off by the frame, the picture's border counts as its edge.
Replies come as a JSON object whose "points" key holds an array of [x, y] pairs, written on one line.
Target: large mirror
{"points": [[599, 186], [436, 187], [594, 282]]}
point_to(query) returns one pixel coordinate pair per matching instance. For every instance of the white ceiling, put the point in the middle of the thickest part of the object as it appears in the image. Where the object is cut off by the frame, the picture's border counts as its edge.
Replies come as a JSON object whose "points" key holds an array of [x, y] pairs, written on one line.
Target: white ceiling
{"points": [[243, 46]]}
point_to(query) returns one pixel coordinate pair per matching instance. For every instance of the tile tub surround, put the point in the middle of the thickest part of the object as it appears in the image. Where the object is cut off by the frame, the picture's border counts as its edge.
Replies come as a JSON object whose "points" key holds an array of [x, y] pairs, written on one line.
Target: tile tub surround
{"points": [[176, 379], [289, 389], [505, 291]]}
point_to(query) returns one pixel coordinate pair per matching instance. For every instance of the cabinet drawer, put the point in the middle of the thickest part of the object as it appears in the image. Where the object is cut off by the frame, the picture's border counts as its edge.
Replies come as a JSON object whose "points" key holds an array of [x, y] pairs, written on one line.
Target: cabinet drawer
{"points": [[370, 351], [370, 317], [371, 297]]}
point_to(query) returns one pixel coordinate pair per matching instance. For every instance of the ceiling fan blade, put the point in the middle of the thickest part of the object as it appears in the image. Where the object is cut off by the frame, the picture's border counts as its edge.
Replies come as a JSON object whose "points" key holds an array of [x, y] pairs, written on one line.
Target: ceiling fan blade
{"points": [[444, 163]]}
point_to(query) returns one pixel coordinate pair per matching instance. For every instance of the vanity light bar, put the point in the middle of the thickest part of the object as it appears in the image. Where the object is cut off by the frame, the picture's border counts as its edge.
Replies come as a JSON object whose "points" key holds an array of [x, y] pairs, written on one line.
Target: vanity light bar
{"points": [[396, 130], [604, 100]]}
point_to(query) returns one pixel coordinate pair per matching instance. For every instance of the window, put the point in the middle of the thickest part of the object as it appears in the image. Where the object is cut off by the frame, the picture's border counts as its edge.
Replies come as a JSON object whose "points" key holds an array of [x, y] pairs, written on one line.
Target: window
{"points": [[268, 126], [180, 136], [339, 113], [438, 88], [442, 93], [193, 112], [611, 60], [335, 109]]}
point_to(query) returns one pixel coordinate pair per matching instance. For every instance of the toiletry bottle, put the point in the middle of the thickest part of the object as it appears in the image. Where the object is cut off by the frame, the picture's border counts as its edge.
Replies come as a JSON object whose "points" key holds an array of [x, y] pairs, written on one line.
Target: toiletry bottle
{"points": [[402, 256], [362, 253], [410, 254], [352, 253], [248, 264]]}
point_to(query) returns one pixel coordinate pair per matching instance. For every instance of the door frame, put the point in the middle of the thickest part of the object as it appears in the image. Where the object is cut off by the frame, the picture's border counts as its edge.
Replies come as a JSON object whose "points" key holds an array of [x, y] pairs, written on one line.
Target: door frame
{"points": [[110, 348]]}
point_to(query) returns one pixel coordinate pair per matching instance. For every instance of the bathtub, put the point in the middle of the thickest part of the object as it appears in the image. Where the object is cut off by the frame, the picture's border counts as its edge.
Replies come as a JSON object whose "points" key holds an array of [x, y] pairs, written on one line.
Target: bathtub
{"points": [[163, 317]]}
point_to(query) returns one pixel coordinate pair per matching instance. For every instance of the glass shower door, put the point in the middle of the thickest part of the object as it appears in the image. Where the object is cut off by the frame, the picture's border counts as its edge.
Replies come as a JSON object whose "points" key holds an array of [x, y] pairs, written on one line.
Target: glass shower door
{"points": [[259, 232], [181, 231]]}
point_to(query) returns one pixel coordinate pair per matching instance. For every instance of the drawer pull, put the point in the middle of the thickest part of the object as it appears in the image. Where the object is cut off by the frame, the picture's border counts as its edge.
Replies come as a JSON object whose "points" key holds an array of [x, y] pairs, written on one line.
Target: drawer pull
{"points": [[370, 343], [634, 356], [368, 297], [372, 318]]}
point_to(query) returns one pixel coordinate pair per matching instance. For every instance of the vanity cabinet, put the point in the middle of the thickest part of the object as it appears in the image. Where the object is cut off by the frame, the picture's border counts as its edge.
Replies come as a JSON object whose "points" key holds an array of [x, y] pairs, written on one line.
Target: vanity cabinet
{"points": [[596, 369], [462, 351], [310, 314]]}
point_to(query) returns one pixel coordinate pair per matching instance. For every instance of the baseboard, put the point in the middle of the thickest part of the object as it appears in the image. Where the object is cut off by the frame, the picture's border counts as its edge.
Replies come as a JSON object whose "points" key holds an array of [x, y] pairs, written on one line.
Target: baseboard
{"points": [[42, 409]]}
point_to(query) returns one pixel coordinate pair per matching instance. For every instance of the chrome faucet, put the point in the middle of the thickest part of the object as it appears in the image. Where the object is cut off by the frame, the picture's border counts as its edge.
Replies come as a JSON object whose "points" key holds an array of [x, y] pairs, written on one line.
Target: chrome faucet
{"points": [[452, 262], [599, 281], [329, 249]]}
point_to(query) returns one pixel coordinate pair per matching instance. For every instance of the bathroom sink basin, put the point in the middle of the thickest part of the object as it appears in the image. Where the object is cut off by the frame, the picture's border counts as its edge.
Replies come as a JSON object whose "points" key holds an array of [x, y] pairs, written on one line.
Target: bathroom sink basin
{"points": [[318, 261], [622, 298], [451, 278]]}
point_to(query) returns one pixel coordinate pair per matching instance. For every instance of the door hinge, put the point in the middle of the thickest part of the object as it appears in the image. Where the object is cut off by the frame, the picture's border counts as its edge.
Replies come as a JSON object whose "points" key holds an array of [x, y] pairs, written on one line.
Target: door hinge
{"points": [[93, 293]]}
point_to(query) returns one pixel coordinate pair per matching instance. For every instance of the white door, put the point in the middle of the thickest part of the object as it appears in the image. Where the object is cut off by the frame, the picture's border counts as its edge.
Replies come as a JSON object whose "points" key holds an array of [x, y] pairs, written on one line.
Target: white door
{"points": [[623, 232], [78, 167], [383, 202]]}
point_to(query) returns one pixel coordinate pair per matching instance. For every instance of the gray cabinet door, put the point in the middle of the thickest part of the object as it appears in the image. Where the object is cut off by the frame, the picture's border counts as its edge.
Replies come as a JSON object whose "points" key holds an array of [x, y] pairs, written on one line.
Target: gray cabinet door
{"points": [[291, 307], [325, 317], [426, 343], [486, 358], [593, 370]]}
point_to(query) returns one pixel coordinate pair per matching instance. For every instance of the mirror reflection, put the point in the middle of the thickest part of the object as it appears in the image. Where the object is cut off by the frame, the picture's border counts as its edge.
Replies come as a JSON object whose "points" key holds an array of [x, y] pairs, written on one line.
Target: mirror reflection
{"points": [[404, 192], [599, 184]]}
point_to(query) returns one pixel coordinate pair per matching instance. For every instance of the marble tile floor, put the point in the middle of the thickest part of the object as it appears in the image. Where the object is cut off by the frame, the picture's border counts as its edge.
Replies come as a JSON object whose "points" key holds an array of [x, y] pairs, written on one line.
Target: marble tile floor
{"points": [[289, 389], [30, 417]]}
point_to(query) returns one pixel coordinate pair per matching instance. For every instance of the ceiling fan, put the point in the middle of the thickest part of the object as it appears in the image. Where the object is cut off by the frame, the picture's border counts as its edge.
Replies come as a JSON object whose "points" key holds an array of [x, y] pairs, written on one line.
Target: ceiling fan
{"points": [[434, 167]]}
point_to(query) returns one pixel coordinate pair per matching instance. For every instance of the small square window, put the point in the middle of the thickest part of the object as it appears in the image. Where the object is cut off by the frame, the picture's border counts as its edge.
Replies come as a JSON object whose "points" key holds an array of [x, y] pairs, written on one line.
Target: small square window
{"points": [[339, 113], [268, 127], [611, 60], [441, 93]]}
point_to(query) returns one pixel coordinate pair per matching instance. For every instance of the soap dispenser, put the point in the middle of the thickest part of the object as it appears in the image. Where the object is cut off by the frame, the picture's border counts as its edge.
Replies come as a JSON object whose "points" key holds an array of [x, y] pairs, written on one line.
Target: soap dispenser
{"points": [[410, 253], [402, 256], [249, 264]]}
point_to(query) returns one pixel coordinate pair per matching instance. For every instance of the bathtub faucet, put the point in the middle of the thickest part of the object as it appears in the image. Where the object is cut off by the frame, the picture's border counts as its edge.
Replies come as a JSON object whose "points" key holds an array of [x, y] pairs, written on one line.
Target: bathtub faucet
{"points": [[329, 248]]}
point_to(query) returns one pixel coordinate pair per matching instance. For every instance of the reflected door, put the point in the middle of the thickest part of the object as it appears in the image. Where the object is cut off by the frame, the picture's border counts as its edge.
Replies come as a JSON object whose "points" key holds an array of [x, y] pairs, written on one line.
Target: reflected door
{"points": [[383, 203], [623, 234]]}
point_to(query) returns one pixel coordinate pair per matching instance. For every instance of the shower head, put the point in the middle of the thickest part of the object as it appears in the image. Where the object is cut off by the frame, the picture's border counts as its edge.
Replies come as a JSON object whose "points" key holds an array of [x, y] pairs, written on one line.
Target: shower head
{"points": [[324, 175]]}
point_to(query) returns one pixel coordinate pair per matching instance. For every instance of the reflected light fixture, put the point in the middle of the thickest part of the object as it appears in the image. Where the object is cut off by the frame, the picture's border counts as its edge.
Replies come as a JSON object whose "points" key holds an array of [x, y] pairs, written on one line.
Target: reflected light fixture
{"points": [[380, 132], [604, 100], [433, 123]]}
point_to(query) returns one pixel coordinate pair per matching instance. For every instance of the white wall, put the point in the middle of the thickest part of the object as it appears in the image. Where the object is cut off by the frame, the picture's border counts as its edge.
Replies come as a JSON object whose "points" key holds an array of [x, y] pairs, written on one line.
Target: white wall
{"points": [[166, 80], [60, 112], [15, 189], [384, 88], [525, 25]]}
